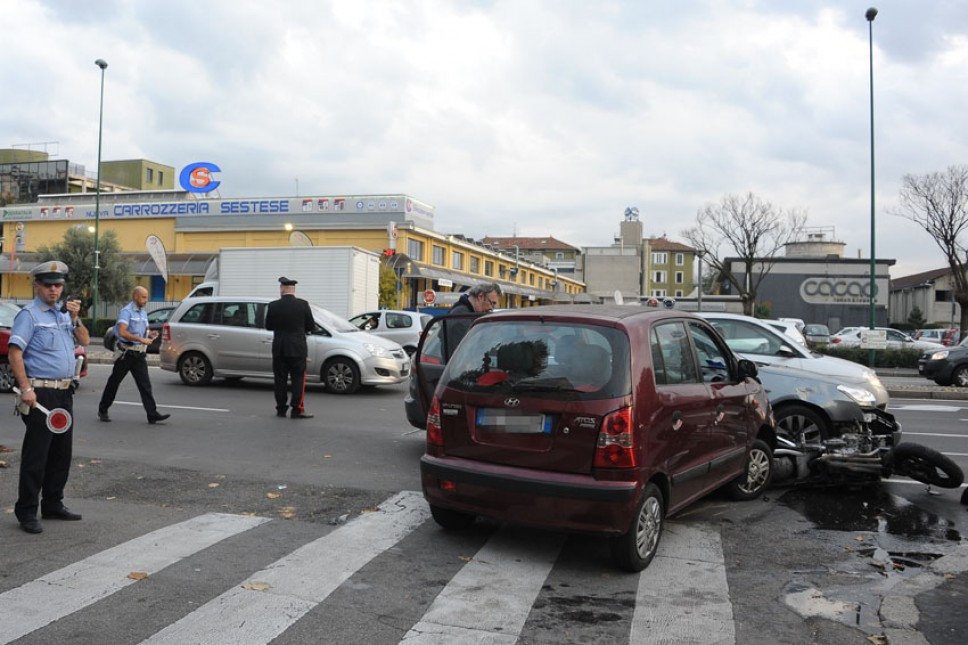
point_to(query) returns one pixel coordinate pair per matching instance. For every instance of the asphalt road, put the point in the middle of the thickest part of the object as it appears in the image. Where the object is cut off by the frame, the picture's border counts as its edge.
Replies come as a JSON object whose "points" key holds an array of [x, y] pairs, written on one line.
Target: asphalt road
{"points": [[303, 504]]}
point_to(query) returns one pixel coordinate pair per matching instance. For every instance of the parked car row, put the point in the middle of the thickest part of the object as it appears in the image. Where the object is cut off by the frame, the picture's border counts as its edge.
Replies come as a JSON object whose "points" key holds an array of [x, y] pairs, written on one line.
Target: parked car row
{"points": [[851, 337]]}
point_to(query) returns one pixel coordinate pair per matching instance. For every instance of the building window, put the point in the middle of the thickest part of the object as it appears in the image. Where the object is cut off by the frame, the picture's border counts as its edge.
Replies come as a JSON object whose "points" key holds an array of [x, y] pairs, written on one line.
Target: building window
{"points": [[149, 175], [438, 257], [475, 264], [658, 276], [679, 277], [679, 293], [457, 260], [658, 293], [415, 250], [559, 255], [680, 259], [531, 279], [660, 258], [161, 177], [488, 268]]}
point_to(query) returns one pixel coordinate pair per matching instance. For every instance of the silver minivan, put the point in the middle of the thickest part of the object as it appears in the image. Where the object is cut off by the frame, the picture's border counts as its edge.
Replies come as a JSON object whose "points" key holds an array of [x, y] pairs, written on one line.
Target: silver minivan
{"points": [[225, 336]]}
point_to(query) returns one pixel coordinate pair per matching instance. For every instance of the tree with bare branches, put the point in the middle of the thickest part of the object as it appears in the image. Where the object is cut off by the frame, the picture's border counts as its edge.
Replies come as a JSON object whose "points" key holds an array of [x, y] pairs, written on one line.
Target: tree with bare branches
{"points": [[748, 228], [938, 203]]}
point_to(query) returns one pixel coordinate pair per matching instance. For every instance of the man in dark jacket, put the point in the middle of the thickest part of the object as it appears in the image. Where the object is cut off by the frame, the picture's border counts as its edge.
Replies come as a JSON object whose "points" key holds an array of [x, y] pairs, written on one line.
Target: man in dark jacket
{"points": [[289, 319], [479, 299]]}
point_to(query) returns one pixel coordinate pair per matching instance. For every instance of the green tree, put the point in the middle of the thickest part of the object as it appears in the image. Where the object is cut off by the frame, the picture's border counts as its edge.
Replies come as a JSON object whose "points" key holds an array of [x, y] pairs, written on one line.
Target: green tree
{"points": [[916, 318], [388, 288], [115, 277]]}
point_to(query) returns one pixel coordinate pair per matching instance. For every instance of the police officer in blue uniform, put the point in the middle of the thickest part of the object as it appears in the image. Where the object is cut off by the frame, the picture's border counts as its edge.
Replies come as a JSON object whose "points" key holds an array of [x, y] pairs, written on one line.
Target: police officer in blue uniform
{"points": [[133, 336], [41, 357], [289, 319]]}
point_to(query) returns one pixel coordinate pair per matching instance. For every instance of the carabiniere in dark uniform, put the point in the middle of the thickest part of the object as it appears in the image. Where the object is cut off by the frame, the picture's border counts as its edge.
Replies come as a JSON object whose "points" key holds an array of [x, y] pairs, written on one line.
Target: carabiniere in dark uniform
{"points": [[41, 357]]}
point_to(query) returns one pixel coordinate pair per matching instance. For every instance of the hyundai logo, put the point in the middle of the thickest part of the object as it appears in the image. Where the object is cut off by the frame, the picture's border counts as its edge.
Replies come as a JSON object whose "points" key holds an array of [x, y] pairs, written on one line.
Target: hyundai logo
{"points": [[512, 402]]}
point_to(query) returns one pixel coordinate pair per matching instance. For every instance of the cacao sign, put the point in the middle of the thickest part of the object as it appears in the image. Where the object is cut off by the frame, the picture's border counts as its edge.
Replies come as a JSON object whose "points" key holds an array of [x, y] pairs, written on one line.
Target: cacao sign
{"points": [[824, 291]]}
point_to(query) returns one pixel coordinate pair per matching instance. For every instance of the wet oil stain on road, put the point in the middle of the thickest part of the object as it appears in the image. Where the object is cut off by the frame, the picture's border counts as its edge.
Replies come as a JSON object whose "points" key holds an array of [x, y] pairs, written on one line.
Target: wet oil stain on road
{"points": [[869, 509]]}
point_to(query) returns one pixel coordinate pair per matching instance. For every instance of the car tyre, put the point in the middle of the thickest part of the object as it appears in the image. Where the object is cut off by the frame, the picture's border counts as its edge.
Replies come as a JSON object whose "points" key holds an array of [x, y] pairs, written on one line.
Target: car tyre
{"points": [[758, 475], [341, 376], [6, 378], [194, 369], [635, 550], [942, 382], [451, 520], [926, 465], [799, 420], [960, 376]]}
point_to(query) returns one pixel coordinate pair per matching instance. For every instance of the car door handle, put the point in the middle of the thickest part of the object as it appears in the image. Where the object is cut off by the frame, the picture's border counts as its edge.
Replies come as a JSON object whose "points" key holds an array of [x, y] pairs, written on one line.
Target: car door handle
{"points": [[720, 414], [677, 420]]}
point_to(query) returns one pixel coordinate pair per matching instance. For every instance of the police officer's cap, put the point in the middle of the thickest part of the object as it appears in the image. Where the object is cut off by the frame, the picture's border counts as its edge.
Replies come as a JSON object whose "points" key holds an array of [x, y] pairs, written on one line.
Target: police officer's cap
{"points": [[52, 272], [287, 282]]}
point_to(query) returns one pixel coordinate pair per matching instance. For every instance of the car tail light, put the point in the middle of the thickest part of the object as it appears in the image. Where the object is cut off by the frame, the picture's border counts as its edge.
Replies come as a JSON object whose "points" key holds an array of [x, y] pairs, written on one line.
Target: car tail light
{"points": [[616, 446], [435, 434], [166, 334], [834, 340]]}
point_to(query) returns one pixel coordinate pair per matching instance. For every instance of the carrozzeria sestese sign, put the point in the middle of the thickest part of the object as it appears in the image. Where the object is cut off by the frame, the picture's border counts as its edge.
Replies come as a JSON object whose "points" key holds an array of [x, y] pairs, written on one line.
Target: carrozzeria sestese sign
{"points": [[827, 290]]}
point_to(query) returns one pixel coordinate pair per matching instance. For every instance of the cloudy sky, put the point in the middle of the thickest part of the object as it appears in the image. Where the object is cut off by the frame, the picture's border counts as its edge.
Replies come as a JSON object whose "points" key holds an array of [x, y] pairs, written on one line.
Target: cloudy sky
{"points": [[535, 117]]}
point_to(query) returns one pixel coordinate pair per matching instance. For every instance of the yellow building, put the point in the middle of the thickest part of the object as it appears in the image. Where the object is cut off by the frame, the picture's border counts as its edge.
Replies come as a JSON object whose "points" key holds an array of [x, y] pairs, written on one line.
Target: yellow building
{"points": [[193, 229]]}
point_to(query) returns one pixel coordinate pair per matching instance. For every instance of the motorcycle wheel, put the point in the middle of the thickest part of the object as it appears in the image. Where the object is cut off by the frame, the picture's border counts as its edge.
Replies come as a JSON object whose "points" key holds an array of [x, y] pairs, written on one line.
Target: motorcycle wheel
{"points": [[925, 465]]}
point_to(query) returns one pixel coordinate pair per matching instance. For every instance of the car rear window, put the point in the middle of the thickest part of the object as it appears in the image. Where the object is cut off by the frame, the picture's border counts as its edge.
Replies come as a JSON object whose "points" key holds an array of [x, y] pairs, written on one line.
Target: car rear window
{"points": [[542, 359]]}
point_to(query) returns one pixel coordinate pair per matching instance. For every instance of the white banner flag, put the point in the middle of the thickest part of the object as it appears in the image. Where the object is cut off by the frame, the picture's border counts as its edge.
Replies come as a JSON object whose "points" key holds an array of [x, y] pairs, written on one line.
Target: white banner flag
{"points": [[156, 249]]}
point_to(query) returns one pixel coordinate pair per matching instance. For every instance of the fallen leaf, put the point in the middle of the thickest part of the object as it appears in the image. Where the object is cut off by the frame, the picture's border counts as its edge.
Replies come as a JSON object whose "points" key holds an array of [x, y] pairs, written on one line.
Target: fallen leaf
{"points": [[257, 586], [248, 513], [950, 576], [327, 456], [80, 465], [219, 476], [878, 639], [137, 575], [273, 495], [287, 512], [465, 558], [94, 461], [3, 448], [112, 497], [859, 538], [213, 485], [3, 464], [370, 510]]}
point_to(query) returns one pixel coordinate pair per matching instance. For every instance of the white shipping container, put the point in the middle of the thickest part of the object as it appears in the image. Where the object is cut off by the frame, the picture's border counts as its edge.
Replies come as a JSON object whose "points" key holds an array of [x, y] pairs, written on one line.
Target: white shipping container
{"points": [[343, 279]]}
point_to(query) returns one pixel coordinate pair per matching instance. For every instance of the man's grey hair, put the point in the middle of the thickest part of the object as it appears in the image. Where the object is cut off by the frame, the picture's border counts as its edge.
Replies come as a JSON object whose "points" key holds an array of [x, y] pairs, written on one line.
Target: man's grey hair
{"points": [[484, 289]]}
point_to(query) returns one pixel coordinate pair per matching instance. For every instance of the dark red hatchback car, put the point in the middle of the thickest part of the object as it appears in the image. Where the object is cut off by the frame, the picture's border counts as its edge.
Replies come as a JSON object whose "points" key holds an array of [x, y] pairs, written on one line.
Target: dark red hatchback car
{"points": [[587, 418]]}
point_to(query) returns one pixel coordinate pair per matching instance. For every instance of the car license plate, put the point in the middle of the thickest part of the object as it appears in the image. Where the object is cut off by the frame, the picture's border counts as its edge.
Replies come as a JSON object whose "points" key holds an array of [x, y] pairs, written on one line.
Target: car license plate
{"points": [[517, 421]]}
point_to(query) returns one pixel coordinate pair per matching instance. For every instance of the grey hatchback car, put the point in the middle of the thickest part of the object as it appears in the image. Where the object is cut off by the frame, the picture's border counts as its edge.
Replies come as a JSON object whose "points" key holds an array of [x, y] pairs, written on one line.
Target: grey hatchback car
{"points": [[223, 336]]}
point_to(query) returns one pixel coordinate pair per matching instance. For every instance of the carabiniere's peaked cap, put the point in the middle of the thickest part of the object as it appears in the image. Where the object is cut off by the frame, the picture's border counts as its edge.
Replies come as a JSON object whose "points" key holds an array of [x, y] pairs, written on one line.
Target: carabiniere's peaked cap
{"points": [[287, 282], [52, 272]]}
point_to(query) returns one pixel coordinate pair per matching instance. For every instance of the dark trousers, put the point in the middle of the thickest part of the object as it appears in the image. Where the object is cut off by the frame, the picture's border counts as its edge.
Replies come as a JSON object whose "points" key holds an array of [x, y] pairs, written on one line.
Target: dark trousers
{"points": [[289, 369], [137, 364], [45, 457]]}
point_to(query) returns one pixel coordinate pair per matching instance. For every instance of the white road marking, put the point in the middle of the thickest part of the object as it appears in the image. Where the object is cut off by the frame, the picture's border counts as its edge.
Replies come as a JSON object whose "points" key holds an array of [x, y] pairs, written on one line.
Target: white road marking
{"points": [[926, 407], [489, 599], [934, 434], [683, 596], [174, 407], [63, 592], [290, 587]]}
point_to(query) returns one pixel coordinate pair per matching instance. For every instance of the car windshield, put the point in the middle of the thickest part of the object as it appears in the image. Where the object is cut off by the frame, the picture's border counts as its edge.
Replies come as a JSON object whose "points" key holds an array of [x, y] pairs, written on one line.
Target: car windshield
{"points": [[542, 359], [747, 338], [331, 320]]}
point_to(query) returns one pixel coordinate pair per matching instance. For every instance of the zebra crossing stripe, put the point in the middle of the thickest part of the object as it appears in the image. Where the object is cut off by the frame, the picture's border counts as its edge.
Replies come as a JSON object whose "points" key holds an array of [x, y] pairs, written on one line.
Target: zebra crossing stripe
{"points": [[270, 601], [60, 593], [683, 596], [489, 599]]}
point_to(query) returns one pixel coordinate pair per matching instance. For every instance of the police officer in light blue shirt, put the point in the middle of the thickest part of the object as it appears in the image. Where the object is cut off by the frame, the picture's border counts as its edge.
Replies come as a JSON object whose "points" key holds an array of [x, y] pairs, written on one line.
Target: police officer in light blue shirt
{"points": [[41, 356], [133, 339]]}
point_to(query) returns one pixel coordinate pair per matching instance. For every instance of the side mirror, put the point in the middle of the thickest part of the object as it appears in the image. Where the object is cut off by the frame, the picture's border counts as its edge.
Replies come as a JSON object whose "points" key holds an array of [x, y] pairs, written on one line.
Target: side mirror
{"points": [[747, 369]]}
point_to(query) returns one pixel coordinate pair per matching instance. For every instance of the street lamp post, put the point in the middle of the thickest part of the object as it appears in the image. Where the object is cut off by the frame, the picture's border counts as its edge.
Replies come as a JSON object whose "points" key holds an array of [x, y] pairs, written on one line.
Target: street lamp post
{"points": [[699, 256], [97, 197], [870, 15]]}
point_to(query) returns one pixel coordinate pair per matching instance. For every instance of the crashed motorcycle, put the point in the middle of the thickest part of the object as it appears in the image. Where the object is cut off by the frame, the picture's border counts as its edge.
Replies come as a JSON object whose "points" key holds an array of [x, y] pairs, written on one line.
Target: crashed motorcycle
{"points": [[865, 451]]}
